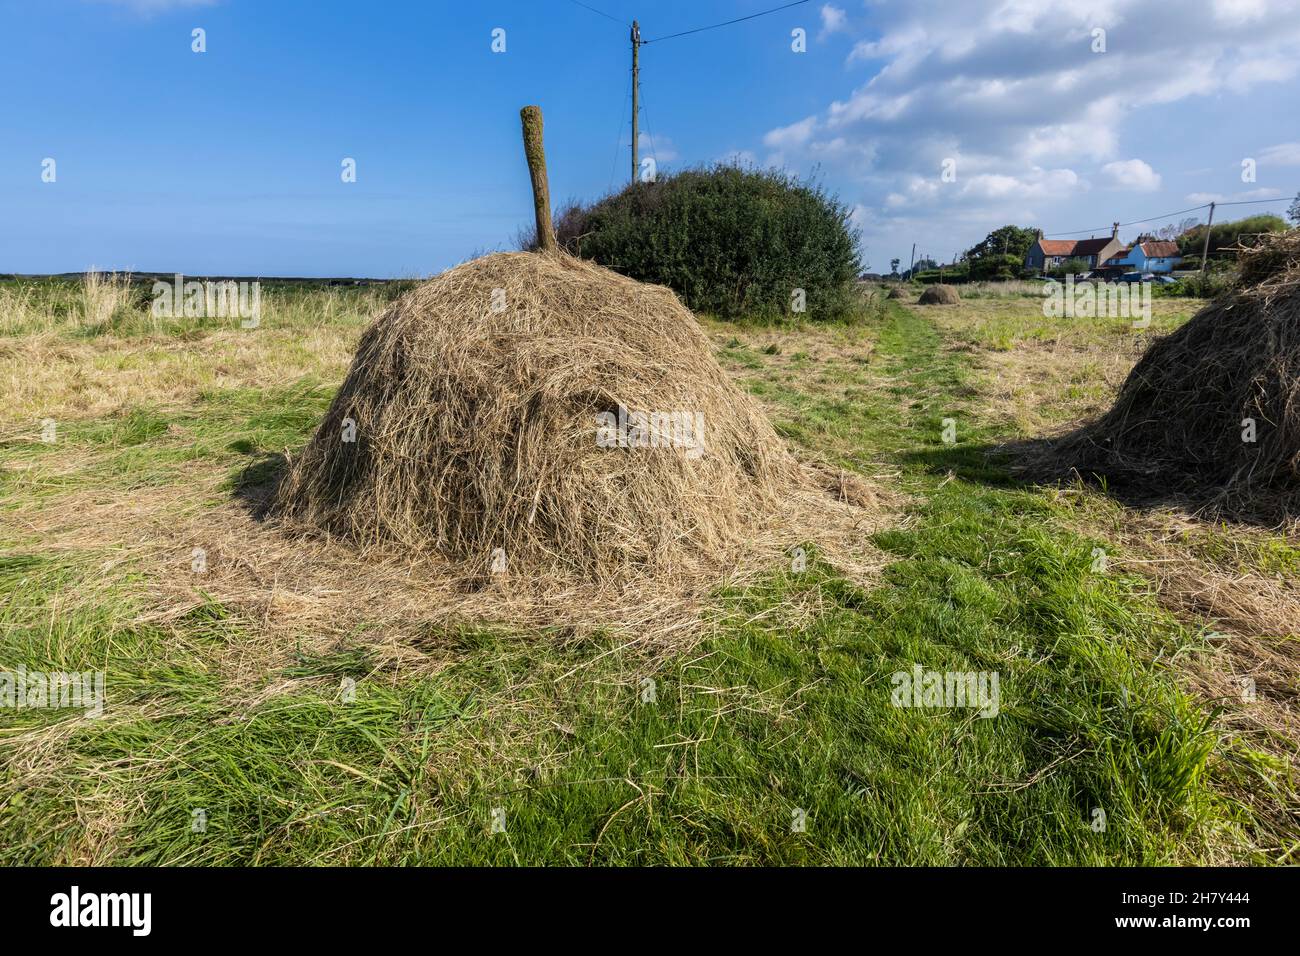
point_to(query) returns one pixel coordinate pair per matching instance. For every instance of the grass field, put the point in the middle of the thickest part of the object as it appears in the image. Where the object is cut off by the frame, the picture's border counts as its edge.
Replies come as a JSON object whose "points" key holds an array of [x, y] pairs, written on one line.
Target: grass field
{"points": [[331, 717]]}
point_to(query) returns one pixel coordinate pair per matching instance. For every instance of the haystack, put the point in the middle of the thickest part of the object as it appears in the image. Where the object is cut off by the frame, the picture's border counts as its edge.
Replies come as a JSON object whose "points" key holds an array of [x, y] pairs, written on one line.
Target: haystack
{"points": [[1214, 406], [939, 295], [894, 294], [539, 404], [538, 413]]}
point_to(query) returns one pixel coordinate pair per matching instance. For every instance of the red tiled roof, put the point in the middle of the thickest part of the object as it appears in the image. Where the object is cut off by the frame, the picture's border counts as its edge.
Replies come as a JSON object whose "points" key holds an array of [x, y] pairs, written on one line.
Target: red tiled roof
{"points": [[1073, 247], [1057, 247], [1160, 250]]}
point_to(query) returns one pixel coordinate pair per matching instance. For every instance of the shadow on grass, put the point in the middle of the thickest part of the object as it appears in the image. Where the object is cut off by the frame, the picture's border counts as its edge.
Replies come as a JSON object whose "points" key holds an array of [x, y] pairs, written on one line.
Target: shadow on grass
{"points": [[254, 485], [1026, 464], [1038, 462], [981, 463]]}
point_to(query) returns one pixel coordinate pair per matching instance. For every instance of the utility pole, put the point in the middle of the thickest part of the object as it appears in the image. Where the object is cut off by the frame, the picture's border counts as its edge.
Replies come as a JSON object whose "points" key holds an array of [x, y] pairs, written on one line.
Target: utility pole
{"points": [[1205, 247], [912, 263], [636, 92]]}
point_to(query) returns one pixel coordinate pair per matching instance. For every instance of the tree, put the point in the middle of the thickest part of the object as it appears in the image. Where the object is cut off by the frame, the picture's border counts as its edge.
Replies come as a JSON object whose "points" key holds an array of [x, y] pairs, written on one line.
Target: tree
{"points": [[1293, 212], [1173, 231], [893, 266], [1001, 253], [1013, 241]]}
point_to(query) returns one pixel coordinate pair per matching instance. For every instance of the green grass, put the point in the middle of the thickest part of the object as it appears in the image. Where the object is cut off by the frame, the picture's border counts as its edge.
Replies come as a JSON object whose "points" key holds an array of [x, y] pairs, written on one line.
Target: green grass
{"points": [[1005, 323], [774, 714]]}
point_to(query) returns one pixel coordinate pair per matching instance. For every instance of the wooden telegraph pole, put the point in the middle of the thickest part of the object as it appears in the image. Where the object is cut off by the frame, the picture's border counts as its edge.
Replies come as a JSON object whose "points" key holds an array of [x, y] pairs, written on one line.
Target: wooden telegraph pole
{"points": [[636, 90], [1205, 246], [531, 118]]}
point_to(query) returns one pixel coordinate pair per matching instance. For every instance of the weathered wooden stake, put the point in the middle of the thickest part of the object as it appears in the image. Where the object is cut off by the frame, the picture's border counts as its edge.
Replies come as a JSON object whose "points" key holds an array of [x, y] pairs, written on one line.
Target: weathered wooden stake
{"points": [[1205, 247], [531, 117]]}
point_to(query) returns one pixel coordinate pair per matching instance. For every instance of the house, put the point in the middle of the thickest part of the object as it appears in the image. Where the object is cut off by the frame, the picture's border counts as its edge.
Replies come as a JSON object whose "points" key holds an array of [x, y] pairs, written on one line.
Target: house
{"points": [[1048, 254], [1146, 255]]}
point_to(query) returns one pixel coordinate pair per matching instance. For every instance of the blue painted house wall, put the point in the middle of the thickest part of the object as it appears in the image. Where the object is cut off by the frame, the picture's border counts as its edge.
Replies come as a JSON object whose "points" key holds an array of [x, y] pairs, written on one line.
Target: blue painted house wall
{"points": [[1140, 262]]}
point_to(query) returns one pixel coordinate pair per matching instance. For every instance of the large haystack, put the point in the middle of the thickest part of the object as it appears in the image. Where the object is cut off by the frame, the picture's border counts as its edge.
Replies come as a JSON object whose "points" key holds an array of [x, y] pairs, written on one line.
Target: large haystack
{"points": [[476, 401], [1215, 406], [939, 295]]}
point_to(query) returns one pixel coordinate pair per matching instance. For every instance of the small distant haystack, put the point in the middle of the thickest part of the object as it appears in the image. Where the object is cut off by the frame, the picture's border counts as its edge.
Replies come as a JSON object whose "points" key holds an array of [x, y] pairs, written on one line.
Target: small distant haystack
{"points": [[545, 406], [1214, 406], [895, 293], [939, 295]]}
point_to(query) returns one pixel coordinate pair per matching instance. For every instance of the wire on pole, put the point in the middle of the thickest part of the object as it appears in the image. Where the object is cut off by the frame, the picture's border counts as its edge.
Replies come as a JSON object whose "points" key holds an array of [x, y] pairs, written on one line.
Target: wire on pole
{"points": [[725, 23]]}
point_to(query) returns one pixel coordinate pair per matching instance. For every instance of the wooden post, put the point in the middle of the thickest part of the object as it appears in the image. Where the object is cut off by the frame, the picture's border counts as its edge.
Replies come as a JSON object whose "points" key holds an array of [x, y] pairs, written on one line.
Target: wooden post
{"points": [[531, 117], [1205, 247]]}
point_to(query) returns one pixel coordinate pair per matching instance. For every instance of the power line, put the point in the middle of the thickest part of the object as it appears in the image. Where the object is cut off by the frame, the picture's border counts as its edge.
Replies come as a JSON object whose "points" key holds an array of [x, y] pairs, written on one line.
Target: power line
{"points": [[637, 43], [1135, 222], [601, 12], [1168, 215], [649, 135], [618, 137], [726, 23], [1251, 202]]}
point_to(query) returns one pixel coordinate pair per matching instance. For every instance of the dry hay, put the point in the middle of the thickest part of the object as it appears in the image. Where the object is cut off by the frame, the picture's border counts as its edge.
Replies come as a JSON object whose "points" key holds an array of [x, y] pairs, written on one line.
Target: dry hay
{"points": [[476, 399], [939, 295], [1179, 422], [894, 294]]}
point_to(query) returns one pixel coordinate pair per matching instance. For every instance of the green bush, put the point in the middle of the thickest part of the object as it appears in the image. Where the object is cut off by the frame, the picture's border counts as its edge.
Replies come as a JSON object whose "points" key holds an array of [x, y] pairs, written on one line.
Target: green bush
{"points": [[996, 267], [1225, 235], [1075, 267], [732, 242], [948, 275], [1214, 282]]}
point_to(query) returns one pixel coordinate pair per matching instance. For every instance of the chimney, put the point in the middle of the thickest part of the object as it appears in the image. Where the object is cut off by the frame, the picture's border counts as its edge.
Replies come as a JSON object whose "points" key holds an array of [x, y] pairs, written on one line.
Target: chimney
{"points": [[1114, 230]]}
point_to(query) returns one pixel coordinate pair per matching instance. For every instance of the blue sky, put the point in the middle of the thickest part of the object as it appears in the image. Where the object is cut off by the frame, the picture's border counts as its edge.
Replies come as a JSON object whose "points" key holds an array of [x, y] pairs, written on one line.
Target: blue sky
{"points": [[228, 161]]}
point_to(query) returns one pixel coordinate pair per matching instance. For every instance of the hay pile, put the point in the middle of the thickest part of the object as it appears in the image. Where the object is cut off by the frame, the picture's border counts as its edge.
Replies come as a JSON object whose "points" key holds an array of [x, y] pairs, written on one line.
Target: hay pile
{"points": [[1177, 423], [894, 294], [939, 295], [476, 400]]}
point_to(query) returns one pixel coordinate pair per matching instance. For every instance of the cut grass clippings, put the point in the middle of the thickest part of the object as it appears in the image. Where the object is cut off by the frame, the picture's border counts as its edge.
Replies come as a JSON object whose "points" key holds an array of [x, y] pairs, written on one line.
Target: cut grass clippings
{"points": [[771, 739]]}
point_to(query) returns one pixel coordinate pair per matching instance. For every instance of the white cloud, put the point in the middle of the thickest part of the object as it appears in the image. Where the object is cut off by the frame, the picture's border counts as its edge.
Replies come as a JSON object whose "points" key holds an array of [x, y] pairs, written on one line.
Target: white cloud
{"points": [[796, 134], [1242, 77], [1262, 193], [834, 20], [1283, 154], [1042, 184], [1014, 91], [1240, 10], [1131, 174], [1017, 80]]}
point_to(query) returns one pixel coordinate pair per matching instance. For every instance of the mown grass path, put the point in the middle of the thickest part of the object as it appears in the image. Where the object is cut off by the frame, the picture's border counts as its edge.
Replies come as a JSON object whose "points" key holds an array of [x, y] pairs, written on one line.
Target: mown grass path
{"points": [[776, 740]]}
